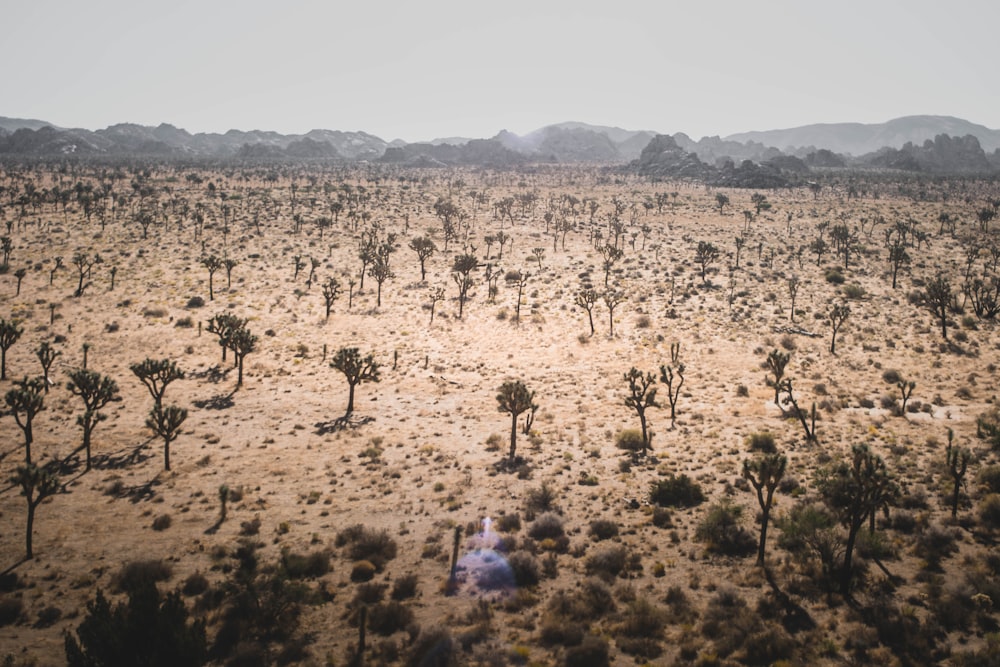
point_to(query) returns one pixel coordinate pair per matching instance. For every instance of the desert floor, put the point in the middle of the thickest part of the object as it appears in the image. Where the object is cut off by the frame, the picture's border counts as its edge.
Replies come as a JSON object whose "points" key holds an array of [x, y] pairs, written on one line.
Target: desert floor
{"points": [[421, 452]]}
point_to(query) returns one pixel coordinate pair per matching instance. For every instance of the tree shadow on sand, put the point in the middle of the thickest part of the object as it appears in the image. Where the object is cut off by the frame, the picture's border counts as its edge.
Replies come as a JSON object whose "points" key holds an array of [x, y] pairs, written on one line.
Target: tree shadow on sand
{"points": [[794, 617], [342, 424], [217, 402], [215, 374]]}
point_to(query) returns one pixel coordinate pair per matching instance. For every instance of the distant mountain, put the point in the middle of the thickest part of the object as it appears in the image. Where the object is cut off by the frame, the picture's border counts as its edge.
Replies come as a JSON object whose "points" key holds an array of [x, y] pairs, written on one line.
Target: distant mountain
{"points": [[481, 152], [578, 142], [858, 139], [943, 155], [12, 125]]}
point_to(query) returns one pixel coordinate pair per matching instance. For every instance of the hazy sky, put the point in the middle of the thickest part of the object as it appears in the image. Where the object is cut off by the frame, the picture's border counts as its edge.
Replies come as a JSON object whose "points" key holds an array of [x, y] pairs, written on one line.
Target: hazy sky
{"points": [[419, 70]]}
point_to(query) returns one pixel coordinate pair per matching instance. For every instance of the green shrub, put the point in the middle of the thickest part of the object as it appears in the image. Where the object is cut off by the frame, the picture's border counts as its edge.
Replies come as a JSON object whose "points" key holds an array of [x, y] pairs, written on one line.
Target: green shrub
{"points": [[525, 568], [540, 499], [761, 442], [853, 291], [676, 491], [603, 529], [367, 544], [302, 566], [722, 531], [834, 276], [629, 440]]}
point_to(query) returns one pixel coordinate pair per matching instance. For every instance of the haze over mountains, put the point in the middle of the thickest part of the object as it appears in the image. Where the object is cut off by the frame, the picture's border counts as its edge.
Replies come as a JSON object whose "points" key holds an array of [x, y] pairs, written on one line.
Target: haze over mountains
{"points": [[933, 144]]}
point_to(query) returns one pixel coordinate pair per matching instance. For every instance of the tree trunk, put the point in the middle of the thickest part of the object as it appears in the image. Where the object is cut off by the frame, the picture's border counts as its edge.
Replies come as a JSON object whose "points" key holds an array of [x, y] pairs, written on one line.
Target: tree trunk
{"points": [[590, 318], [765, 516], [27, 443], [239, 381], [86, 442], [29, 553], [166, 454], [513, 435], [954, 499], [645, 438], [845, 575], [350, 399]]}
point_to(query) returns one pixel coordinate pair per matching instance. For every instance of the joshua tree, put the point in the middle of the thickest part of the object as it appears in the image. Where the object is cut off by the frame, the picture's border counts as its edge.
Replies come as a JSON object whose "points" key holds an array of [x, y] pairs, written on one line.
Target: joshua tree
{"points": [[958, 463], [462, 267], [6, 246], [380, 271], [83, 263], [905, 390], [611, 300], [424, 247], [514, 398], [166, 423], [367, 249], [213, 264], [223, 325], [26, 400], [356, 369], [855, 490], [96, 391], [808, 426], [19, 274], [539, 255], [722, 201], [740, 242], [437, 294], [776, 362], [764, 473], [46, 355], [898, 257], [760, 202], [705, 255], [521, 280], [837, 316], [669, 376], [642, 395], [9, 333], [36, 485], [793, 290], [156, 374], [611, 254], [937, 298], [586, 298], [242, 343], [229, 264], [331, 290]]}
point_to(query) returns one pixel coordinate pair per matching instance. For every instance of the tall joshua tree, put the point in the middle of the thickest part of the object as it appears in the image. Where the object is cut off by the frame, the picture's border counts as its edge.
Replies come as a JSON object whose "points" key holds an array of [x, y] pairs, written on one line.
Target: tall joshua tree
{"points": [[586, 298], [331, 290], [46, 356], [837, 316], [424, 247], [243, 343], [213, 264], [36, 484], [96, 391], [514, 398], [642, 395], [9, 333], [775, 363], [166, 423], [937, 298], [462, 267], [156, 374], [356, 369], [764, 474], [26, 400], [224, 325]]}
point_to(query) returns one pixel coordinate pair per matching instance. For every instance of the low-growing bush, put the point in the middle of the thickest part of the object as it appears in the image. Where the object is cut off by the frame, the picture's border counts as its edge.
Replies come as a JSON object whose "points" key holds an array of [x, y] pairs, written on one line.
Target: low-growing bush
{"points": [[989, 511], [607, 562], [722, 530], [302, 566], [629, 440], [548, 525], [140, 572], [676, 491], [761, 442], [367, 544], [603, 529], [405, 587]]}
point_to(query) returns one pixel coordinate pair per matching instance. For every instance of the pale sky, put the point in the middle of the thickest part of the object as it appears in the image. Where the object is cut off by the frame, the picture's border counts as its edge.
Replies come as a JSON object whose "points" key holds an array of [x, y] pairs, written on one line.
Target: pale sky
{"points": [[435, 68]]}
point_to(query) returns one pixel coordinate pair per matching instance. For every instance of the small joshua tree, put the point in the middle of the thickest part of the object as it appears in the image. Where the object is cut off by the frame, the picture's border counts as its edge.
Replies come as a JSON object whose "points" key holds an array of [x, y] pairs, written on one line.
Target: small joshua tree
{"points": [[610, 255], [673, 377], [166, 423], [36, 484], [223, 497], [83, 264], [793, 291], [20, 274], [462, 267], [243, 343], [612, 298], [514, 398], [937, 298], [957, 460], [381, 272], [26, 400], [538, 254], [156, 374], [642, 395], [46, 356], [331, 290], [837, 316], [906, 390], [586, 298], [705, 255], [764, 474], [229, 264], [809, 426], [213, 264], [775, 364], [424, 247], [520, 281], [224, 325], [96, 391], [356, 369], [9, 333], [437, 294]]}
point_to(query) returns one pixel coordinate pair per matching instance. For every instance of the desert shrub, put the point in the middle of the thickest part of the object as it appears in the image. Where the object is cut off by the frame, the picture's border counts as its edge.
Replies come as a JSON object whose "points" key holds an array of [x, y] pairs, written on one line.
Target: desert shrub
{"points": [[607, 562], [433, 648], [591, 652], [989, 511], [405, 587], [540, 499], [641, 629], [629, 440], [48, 616], [10, 610], [525, 568], [386, 618], [145, 630], [807, 531], [662, 517], [676, 491], [728, 621], [363, 570], [508, 523], [302, 566], [853, 291], [137, 573], [989, 478], [722, 531], [768, 646], [162, 522], [184, 322], [250, 528], [195, 584], [195, 302], [603, 529], [761, 441], [367, 544], [547, 526], [936, 543], [834, 276]]}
